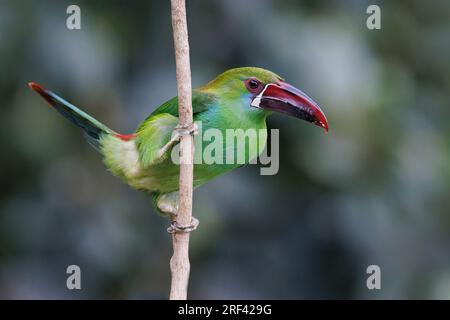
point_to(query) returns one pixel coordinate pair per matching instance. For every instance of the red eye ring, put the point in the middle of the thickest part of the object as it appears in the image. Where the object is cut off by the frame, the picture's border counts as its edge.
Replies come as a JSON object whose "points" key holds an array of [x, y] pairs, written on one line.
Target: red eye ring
{"points": [[253, 85]]}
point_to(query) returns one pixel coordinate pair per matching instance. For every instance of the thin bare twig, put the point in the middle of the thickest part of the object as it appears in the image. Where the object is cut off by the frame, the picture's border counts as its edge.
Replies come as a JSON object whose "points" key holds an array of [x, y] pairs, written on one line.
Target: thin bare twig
{"points": [[179, 263]]}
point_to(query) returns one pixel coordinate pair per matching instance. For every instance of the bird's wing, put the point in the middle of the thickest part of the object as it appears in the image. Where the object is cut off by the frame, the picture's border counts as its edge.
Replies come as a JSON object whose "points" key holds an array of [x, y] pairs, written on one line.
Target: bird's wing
{"points": [[155, 131], [152, 135]]}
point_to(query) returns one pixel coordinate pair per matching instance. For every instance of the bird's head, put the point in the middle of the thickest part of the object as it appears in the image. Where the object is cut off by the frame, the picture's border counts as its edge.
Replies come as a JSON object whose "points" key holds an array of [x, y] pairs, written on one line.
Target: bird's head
{"points": [[262, 91]]}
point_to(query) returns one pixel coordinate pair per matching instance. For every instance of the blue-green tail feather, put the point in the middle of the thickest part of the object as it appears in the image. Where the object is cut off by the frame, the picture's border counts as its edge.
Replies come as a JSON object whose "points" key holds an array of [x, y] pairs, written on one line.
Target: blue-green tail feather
{"points": [[93, 129]]}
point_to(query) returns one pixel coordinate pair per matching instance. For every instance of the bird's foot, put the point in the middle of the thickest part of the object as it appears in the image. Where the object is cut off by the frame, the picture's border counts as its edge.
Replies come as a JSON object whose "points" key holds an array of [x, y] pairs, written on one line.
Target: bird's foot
{"points": [[176, 227], [178, 132], [191, 129], [167, 204]]}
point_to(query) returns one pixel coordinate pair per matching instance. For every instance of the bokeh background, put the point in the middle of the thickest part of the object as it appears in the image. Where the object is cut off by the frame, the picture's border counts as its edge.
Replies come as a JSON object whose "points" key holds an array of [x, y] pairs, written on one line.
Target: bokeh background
{"points": [[375, 190]]}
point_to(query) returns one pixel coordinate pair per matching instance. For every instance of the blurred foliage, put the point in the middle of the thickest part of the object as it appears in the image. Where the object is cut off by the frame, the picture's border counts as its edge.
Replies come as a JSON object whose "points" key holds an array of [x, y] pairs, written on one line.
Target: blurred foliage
{"points": [[375, 190]]}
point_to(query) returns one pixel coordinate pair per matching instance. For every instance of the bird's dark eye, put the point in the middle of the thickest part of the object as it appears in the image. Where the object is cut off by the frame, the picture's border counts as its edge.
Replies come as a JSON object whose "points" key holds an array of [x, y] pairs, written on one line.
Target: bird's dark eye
{"points": [[253, 85]]}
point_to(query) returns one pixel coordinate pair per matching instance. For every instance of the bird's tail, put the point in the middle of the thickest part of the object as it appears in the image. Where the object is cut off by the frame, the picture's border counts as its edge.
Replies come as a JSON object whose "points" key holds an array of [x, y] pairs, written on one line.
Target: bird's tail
{"points": [[93, 129]]}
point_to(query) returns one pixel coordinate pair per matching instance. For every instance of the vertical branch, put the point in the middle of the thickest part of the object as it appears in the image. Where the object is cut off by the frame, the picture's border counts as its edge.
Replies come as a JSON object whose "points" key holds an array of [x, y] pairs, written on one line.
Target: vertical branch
{"points": [[179, 263]]}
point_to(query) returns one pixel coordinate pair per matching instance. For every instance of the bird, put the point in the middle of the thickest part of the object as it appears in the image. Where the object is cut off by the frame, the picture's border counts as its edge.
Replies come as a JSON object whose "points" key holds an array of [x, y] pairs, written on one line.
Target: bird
{"points": [[239, 98]]}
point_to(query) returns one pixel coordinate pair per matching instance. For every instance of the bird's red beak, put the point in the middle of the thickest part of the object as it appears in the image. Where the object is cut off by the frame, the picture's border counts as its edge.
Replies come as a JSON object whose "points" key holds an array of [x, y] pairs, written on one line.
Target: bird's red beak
{"points": [[285, 98]]}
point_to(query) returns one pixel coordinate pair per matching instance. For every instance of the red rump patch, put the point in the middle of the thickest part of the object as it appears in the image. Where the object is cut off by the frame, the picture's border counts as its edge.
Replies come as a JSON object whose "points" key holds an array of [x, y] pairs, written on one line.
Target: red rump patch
{"points": [[125, 137]]}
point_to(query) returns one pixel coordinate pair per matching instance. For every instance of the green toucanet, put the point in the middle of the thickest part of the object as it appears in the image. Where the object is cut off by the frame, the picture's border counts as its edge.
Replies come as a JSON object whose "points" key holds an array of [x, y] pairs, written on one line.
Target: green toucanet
{"points": [[240, 98]]}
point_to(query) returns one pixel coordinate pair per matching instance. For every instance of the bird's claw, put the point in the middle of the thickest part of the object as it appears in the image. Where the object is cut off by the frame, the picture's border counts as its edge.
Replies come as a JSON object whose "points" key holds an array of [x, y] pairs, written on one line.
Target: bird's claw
{"points": [[176, 227], [191, 129]]}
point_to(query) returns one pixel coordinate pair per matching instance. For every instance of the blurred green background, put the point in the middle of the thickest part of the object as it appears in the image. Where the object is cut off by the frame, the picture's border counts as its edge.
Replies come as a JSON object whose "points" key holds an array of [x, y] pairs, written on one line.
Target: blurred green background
{"points": [[375, 190]]}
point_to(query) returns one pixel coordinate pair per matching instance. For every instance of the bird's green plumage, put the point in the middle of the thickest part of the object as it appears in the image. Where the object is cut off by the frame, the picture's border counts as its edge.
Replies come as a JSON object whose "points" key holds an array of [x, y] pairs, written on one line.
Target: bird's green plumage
{"points": [[223, 103]]}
